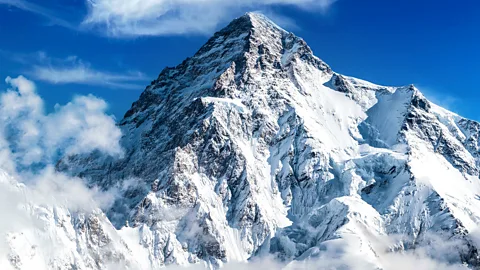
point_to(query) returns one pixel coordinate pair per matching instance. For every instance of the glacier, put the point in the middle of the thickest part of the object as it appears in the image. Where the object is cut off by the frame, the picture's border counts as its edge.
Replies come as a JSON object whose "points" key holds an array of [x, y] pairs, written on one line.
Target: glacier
{"points": [[255, 148]]}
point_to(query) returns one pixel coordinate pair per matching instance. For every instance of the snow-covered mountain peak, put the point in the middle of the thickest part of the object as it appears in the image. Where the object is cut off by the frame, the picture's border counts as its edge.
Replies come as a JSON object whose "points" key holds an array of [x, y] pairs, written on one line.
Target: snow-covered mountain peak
{"points": [[258, 18], [257, 22], [255, 145], [248, 42]]}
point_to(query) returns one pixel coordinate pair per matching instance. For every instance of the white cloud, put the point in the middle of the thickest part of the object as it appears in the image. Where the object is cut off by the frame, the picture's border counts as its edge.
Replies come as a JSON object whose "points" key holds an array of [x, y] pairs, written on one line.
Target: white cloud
{"points": [[84, 121], [79, 127], [164, 17], [73, 70], [54, 188]]}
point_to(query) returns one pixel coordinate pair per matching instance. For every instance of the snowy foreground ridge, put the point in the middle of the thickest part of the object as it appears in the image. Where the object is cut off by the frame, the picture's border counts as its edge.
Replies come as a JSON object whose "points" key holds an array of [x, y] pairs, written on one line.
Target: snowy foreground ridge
{"points": [[254, 150]]}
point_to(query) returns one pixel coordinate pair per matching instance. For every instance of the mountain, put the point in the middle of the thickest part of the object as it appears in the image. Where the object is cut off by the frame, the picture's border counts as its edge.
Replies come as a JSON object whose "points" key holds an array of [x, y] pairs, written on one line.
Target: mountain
{"points": [[254, 146]]}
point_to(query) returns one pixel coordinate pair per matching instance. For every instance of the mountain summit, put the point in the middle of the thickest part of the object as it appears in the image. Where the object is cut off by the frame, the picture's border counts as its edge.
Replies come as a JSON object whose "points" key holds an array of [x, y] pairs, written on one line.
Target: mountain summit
{"points": [[255, 146], [231, 49]]}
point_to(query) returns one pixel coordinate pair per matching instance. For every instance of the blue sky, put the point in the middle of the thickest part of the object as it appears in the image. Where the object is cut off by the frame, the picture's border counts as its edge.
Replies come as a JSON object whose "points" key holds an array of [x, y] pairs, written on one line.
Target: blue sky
{"points": [[113, 48]]}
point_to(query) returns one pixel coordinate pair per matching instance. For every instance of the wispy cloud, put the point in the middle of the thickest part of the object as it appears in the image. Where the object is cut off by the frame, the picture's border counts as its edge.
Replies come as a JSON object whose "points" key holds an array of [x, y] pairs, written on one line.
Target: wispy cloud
{"points": [[442, 99], [73, 70], [41, 11], [80, 73]]}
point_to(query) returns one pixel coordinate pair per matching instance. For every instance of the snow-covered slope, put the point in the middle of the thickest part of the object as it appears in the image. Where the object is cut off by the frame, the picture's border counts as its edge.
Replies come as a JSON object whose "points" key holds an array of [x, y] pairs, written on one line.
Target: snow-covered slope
{"points": [[255, 146], [39, 232]]}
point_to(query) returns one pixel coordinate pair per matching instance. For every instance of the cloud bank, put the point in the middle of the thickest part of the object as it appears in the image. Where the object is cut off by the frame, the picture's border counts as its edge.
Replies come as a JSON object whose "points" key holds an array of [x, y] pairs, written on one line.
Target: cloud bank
{"points": [[31, 136]]}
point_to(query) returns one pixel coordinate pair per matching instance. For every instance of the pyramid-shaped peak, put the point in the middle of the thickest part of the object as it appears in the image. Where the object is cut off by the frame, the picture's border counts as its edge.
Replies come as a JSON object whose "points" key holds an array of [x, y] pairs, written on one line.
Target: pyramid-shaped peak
{"points": [[249, 44], [259, 20], [235, 38], [255, 15], [252, 21]]}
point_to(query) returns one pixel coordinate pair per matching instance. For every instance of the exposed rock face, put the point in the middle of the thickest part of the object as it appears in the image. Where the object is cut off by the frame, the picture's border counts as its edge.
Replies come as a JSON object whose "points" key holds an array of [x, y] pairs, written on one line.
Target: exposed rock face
{"points": [[255, 145]]}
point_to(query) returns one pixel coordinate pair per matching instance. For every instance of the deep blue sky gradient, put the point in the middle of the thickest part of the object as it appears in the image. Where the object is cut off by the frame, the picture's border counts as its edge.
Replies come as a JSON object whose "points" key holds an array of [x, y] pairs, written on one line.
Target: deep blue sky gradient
{"points": [[434, 44]]}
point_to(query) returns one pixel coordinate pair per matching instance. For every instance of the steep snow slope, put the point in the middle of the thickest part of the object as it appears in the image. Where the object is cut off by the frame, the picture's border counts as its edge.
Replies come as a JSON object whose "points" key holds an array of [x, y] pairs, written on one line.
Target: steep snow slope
{"points": [[254, 146], [43, 233]]}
